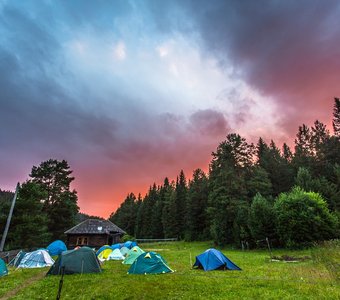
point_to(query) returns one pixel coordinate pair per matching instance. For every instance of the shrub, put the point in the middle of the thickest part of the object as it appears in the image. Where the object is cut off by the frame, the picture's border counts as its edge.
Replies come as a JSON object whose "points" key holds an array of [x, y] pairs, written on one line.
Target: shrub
{"points": [[302, 218]]}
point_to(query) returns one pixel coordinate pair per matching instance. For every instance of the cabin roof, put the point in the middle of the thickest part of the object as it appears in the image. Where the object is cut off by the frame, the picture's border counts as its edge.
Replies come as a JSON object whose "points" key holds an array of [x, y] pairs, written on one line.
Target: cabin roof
{"points": [[95, 226]]}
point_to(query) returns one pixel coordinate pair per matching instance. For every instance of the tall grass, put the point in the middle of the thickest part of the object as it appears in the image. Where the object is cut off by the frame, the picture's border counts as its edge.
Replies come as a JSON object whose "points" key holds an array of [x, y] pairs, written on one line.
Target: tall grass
{"points": [[328, 255]]}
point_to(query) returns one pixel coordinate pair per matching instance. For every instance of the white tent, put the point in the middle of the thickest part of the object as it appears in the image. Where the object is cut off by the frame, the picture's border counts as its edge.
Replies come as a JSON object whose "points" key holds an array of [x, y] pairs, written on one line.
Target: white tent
{"points": [[116, 255], [36, 259]]}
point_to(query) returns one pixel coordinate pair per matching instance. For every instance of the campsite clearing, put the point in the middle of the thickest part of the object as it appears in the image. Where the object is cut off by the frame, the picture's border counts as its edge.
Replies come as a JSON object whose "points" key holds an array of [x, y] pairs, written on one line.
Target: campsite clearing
{"points": [[260, 278]]}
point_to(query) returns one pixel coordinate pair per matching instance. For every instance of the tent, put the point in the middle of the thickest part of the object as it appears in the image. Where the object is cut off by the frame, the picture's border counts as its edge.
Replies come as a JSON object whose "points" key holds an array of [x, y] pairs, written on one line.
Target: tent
{"points": [[82, 260], [103, 255], [102, 248], [115, 246], [213, 259], [124, 251], [130, 244], [3, 268], [36, 259], [132, 255], [149, 263], [116, 255], [17, 259], [56, 247]]}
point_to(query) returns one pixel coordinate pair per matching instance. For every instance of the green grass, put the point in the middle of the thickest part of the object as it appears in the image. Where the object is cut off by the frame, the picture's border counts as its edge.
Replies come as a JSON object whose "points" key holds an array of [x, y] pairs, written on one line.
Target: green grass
{"points": [[259, 279]]}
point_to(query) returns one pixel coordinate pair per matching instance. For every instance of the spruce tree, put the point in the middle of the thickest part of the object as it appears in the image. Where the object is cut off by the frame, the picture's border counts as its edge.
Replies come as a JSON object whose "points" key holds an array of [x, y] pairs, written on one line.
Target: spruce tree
{"points": [[60, 203], [29, 221], [197, 201], [228, 168]]}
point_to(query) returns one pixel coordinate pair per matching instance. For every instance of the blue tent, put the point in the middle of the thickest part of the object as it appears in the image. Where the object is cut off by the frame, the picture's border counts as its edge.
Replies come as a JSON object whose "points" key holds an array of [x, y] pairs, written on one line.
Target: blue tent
{"points": [[56, 247], [115, 246], [130, 244], [213, 259], [3, 268]]}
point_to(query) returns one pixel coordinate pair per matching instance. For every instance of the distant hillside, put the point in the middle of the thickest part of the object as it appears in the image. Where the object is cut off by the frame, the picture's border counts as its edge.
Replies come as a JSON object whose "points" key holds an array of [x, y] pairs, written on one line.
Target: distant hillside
{"points": [[82, 217]]}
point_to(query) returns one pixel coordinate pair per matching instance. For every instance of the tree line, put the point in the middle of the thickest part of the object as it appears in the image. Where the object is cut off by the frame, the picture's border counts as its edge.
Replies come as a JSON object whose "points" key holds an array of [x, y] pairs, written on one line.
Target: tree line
{"points": [[251, 192]]}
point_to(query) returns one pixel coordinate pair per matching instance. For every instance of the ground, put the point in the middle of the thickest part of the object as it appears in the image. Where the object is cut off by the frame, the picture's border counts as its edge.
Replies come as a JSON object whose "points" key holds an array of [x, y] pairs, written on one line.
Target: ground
{"points": [[260, 278]]}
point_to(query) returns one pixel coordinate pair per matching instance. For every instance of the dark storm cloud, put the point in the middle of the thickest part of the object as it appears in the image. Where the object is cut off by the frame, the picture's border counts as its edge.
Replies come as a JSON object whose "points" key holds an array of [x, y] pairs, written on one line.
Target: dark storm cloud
{"points": [[288, 50], [209, 122]]}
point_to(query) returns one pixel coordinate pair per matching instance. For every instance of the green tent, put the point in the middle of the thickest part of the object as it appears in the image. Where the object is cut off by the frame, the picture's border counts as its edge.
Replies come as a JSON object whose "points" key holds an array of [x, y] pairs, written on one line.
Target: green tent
{"points": [[82, 260], [3, 268], [149, 263], [132, 255]]}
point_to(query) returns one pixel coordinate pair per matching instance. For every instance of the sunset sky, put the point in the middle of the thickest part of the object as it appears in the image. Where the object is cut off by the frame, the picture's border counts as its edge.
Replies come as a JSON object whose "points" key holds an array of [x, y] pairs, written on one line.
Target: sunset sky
{"points": [[129, 92]]}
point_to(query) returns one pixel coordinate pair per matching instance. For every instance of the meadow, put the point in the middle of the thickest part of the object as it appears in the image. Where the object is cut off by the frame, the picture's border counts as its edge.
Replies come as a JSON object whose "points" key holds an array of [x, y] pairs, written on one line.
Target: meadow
{"points": [[260, 278]]}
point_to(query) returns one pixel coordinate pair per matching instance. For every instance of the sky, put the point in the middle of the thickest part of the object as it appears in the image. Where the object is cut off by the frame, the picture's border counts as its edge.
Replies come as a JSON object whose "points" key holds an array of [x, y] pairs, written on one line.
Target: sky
{"points": [[132, 91]]}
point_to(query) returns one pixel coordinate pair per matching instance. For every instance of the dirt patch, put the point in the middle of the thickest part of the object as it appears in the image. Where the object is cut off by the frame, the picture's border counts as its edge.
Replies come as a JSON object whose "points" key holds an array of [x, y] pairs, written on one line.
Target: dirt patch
{"points": [[157, 249], [24, 285], [287, 258]]}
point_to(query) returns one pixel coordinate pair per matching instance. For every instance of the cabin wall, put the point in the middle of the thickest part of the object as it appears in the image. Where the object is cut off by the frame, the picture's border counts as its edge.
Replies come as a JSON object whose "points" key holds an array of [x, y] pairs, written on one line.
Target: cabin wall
{"points": [[90, 240]]}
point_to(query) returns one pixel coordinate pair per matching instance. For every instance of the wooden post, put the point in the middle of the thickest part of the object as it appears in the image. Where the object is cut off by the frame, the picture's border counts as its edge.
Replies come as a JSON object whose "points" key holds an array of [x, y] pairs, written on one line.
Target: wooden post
{"points": [[2, 244], [270, 250]]}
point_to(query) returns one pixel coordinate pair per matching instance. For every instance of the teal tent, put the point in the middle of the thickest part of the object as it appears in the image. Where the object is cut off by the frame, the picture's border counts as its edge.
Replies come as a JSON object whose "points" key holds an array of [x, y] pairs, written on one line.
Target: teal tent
{"points": [[3, 268], [82, 260], [149, 263], [132, 255]]}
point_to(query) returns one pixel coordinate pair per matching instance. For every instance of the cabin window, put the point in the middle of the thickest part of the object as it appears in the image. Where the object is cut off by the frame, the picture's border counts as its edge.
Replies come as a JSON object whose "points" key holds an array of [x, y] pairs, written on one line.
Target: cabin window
{"points": [[82, 240]]}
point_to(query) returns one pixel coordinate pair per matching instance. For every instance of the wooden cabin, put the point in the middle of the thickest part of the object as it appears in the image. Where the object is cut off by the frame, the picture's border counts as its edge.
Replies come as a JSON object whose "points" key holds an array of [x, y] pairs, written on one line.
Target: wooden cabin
{"points": [[93, 233]]}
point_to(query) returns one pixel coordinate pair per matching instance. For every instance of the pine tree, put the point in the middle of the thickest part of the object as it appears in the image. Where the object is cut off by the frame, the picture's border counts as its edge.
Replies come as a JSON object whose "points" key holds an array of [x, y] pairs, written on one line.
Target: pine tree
{"points": [[59, 203], [126, 215], [181, 204], [197, 201], [29, 222], [228, 168]]}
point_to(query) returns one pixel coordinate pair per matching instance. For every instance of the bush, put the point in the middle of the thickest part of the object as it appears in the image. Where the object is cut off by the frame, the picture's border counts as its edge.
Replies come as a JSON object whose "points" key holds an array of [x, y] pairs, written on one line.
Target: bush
{"points": [[126, 238], [303, 218]]}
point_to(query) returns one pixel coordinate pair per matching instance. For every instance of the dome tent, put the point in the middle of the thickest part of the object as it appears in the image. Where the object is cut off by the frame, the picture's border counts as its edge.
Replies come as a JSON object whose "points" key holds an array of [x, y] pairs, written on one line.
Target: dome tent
{"points": [[36, 259], [213, 259], [116, 246], [116, 255], [102, 248], [132, 255], [103, 255], [56, 247], [149, 263], [3, 268], [82, 260], [17, 259], [124, 251], [130, 244]]}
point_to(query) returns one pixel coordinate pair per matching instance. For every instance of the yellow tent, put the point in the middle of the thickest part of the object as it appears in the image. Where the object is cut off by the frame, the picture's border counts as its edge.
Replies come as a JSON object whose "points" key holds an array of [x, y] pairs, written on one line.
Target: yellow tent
{"points": [[104, 254]]}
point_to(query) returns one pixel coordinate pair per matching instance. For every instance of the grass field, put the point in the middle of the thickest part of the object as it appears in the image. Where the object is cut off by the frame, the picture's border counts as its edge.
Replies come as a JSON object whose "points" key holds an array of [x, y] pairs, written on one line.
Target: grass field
{"points": [[259, 279]]}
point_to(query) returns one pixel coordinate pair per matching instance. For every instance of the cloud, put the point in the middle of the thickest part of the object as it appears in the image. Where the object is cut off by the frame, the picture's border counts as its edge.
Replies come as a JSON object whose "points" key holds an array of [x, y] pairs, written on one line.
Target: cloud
{"points": [[130, 92], [210, 123]]}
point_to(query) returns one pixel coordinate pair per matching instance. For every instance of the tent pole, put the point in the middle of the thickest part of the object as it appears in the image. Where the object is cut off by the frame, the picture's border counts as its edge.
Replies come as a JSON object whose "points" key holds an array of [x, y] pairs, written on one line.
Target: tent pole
{"points": [[2, 244]]}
